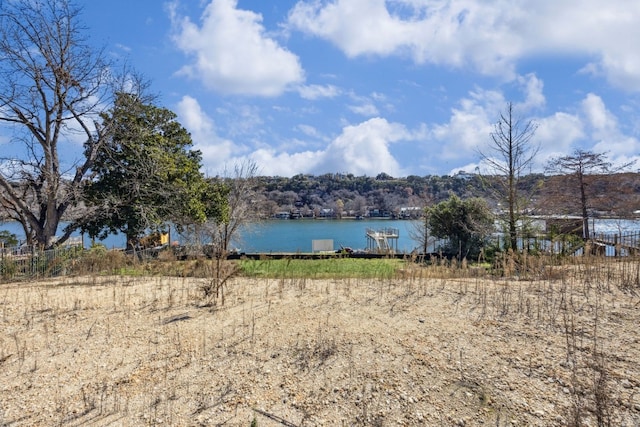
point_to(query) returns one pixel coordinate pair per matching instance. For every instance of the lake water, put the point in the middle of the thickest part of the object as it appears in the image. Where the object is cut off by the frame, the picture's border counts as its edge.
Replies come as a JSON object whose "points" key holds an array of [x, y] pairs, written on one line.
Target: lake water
{"points": [[287, 235], [297, 235]]}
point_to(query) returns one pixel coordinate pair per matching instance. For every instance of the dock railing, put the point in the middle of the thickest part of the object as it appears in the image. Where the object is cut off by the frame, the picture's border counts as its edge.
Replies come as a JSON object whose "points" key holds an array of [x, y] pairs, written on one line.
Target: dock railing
{"points": [[627, 241], [383, 239]]}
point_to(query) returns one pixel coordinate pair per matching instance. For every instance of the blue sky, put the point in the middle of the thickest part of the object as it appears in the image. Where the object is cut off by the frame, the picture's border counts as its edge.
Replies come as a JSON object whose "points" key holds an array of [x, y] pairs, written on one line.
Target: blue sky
{"points": [[405, 87]]}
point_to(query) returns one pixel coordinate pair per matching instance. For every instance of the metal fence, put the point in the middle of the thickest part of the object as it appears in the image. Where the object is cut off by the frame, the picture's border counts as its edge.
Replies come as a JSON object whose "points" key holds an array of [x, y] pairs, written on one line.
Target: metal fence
{"points": [[30, 262]]}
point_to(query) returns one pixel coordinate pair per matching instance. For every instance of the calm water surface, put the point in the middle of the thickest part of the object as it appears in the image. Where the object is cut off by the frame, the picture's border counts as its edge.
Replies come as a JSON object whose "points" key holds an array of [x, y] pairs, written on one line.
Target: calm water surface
{"points": [[286, 235], [297, 235]]}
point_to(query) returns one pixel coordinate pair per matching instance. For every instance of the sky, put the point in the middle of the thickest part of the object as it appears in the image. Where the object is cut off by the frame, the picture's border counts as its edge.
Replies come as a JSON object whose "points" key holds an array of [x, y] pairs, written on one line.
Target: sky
{"points": [[404, 87]]}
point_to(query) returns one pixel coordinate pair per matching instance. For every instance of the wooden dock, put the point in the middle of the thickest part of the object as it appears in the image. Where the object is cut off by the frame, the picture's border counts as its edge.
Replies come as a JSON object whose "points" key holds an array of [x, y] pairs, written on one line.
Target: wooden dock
{"points": [[384, 240], [629, 242]]}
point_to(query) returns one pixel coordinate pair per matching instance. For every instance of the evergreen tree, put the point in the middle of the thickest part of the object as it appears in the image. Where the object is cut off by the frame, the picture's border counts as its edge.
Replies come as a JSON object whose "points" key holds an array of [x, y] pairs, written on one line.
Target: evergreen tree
{"points": [[146, 175], [466, 224]]}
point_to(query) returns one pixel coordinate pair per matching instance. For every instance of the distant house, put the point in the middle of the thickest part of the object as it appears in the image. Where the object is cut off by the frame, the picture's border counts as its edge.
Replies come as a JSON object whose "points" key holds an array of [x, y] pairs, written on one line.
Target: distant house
{"points": [[326, 213], [464, 175], [378, 213], [410, 212]]}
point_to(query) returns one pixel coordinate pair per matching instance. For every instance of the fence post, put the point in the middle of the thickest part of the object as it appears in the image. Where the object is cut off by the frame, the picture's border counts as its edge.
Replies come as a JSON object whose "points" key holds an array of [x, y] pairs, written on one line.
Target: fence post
{"points": [[33, 268]]}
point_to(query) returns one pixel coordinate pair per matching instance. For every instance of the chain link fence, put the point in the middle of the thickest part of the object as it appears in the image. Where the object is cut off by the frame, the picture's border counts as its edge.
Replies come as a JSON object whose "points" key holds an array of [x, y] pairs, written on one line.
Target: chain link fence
{"points": [[26, 262], [30, 263]]}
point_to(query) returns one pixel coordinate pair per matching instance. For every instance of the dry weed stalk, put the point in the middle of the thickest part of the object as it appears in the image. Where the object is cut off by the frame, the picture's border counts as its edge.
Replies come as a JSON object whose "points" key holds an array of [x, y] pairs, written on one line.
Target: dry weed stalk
{"points": [[221, 272]]}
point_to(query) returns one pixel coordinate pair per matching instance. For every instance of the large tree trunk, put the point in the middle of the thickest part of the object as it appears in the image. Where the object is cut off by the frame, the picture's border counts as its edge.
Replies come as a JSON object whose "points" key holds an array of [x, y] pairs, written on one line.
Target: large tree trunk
{"points": [[583, 203], [52, 81]]}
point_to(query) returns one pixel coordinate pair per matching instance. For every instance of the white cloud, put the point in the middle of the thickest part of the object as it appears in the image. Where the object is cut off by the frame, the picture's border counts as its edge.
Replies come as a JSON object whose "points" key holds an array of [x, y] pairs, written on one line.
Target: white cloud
{"points": [[364, 149], [215, 150], [597, 115], [490, 36], [124, 48], [622, 68], [309, 131], [274, 163], [244, 120], [469, 126], [200, 125], [356, 26], [591, 127], [606, 132], [366, 105], [557, 134], [533, 89], [231, 53], [313, 92], [366, 109], [438, 32], [467, 133], [361, 149]]}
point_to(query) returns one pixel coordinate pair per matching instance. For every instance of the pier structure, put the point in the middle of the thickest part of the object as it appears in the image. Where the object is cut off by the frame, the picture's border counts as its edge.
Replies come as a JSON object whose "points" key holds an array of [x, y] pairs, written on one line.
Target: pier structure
{"points": [[384, 240], [627, 243]]}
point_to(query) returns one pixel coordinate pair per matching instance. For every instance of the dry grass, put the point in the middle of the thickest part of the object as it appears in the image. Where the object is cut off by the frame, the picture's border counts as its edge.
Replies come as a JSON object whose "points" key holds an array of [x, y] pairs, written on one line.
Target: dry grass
{"points": [[434, 346]]}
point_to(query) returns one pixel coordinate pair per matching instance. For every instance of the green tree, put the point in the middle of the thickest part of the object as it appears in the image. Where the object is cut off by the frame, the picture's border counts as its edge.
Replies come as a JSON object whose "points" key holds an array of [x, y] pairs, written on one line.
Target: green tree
{"points": [[510, 157], [145, 175], [466, 224], [54, 84], [8, 239]]}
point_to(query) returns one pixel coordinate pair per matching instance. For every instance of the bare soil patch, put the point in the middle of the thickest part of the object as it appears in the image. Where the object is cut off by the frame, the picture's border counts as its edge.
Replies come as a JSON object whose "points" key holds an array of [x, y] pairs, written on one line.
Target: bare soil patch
{"points": [[294, 352]]}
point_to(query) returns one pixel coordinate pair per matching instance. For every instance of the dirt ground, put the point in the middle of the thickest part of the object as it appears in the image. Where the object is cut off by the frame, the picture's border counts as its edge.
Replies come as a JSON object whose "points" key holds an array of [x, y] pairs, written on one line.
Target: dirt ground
{"points": [[416, 350]]}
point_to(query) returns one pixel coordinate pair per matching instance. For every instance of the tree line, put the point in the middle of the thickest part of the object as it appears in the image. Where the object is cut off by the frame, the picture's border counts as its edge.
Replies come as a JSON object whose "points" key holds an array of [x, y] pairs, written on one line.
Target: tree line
{"points": [[138, 170], [550, 194]]}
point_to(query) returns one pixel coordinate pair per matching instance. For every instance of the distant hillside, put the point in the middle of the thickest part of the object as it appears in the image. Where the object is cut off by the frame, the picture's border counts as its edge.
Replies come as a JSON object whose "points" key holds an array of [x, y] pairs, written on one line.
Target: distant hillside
{"points": [[309, 195], [609, 195], [345, 194]]}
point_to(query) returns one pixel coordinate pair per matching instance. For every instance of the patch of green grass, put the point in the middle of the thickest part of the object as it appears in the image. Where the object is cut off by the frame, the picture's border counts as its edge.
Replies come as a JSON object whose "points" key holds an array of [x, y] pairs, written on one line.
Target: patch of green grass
{"points": [[323, 268]]}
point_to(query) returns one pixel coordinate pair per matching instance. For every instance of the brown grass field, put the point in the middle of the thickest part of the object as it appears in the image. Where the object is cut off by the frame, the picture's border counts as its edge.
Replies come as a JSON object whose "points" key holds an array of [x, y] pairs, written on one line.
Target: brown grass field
{"points": [[426, 348]]}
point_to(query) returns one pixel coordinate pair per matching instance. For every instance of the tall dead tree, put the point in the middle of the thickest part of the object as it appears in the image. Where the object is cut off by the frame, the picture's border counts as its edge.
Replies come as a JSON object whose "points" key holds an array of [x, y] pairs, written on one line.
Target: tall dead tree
{"points": [[54, 85], [509, 156], [580, 168]]}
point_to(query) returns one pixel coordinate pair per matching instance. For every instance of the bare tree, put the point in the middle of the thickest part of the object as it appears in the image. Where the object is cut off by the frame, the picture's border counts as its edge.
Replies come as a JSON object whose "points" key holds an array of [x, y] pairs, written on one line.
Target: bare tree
{"points": [[54, 85], [241, 197], [510, 156], [419, 231], [240, 213], [580, 167], [241, 210]]}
